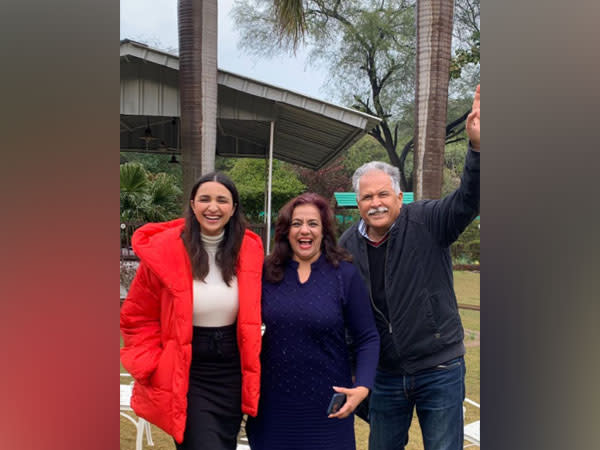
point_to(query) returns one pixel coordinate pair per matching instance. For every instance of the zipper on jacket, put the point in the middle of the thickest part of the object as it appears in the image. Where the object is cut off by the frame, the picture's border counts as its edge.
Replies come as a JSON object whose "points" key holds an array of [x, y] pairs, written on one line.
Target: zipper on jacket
{"points": [[385, 268], [389, 324], [366, 255]]}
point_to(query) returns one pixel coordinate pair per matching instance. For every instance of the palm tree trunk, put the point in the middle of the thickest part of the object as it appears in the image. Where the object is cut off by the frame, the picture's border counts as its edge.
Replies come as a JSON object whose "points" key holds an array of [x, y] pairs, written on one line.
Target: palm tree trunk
{"points": [[434, 41], [197, 21]]}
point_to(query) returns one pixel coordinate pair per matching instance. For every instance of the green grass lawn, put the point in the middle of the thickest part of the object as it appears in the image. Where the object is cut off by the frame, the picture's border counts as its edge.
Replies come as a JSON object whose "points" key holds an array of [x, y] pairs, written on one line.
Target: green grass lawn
{"points": [[467, 291]]}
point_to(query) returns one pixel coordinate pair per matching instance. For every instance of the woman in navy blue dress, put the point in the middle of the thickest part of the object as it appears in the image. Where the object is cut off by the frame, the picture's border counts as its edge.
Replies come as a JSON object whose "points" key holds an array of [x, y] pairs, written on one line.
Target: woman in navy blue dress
{"points": [[312, 295]]}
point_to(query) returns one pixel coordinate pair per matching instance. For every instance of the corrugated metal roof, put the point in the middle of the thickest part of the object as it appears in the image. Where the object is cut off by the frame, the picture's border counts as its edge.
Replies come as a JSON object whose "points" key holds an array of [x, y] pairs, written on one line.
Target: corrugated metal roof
{"points": [[348, 199], [308, 131]]}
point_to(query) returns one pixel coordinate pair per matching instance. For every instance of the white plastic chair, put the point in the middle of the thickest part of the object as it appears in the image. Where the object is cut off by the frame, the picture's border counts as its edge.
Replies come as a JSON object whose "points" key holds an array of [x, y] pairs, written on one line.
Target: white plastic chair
{"points": [[141, 425], [242, 439], [472, 429]]}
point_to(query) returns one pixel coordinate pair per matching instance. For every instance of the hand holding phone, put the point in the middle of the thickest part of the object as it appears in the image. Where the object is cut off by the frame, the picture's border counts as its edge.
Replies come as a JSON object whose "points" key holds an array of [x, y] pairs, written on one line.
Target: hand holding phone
{"points": [[348, 403], [337, 401]]}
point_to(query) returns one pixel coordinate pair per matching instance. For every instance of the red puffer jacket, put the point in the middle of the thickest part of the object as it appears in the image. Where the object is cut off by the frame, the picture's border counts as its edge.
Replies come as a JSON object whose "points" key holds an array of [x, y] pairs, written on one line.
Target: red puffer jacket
{"points": [[156, 324]]}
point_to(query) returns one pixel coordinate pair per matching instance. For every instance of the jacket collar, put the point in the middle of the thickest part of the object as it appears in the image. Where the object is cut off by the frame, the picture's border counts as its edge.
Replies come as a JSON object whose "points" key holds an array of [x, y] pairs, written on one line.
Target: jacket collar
{"points": [[362, 226], [362, 229]]}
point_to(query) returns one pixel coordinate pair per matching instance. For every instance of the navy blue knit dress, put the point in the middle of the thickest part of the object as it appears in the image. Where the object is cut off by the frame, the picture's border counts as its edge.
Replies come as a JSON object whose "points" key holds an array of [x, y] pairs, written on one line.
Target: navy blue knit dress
{"points": [[304, 353]]}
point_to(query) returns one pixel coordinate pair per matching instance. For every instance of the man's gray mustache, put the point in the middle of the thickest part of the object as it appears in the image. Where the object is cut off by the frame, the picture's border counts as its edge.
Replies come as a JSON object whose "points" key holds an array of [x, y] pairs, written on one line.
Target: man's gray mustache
{"points": [[381, 209]]}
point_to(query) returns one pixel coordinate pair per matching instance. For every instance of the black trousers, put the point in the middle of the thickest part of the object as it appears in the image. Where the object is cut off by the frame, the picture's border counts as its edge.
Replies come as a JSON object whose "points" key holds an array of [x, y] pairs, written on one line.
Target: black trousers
{"points": [[214, 397]]}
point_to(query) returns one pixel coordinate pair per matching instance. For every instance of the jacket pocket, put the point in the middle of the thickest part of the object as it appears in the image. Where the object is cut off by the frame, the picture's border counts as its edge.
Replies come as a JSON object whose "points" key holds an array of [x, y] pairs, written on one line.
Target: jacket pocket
{"points": [[421, 335], [432, 317], [162, 377], [446, 317], [154, 405], [450, 365]]}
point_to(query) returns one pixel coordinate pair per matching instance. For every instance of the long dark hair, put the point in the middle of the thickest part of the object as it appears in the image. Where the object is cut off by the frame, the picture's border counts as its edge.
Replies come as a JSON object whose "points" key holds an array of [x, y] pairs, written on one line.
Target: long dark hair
{"points": [[282, 251], [229, 248]]}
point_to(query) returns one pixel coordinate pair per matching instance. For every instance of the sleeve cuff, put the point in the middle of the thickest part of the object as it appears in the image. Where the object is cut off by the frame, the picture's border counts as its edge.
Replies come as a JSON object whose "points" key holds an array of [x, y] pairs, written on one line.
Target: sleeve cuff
{"points": [[472, 150]]}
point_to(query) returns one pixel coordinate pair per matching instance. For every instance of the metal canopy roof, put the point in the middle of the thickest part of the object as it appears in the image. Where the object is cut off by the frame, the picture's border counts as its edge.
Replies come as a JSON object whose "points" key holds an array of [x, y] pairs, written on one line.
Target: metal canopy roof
{"points": [[308, 132]]}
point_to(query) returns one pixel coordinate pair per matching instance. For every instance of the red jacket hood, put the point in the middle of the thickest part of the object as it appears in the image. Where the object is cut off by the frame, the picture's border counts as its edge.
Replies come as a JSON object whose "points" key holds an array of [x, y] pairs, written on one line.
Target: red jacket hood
{"points": [[159, 246]]}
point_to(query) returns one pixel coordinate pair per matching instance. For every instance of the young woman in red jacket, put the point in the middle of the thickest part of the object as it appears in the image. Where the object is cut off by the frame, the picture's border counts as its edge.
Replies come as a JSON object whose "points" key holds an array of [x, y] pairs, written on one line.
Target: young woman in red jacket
{"points": [[191, 320]]}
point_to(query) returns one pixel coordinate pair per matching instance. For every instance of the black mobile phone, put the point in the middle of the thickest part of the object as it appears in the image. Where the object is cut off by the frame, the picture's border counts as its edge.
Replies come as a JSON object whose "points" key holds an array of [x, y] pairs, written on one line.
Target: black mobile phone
{"points": [[337, 400]]}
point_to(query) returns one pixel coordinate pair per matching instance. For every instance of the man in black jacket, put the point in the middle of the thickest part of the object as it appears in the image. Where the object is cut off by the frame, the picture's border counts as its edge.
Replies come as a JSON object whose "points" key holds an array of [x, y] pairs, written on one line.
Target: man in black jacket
{"points": [[402, 253]]}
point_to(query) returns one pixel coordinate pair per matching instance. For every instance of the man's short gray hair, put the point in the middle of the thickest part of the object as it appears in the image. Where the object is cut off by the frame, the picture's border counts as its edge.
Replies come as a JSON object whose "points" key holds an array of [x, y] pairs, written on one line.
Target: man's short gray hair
{"points": [[386, 168]]}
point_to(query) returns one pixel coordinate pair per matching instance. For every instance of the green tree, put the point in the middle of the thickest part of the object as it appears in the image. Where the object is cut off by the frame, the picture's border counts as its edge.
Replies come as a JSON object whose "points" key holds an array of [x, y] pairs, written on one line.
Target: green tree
{"points": [[466, 37], [466, 249], [155, 163], [223, 164], [326, 181], [369, 48], [365, 150], [454, 162], [146, 197], [249, 178], [133, 188]]}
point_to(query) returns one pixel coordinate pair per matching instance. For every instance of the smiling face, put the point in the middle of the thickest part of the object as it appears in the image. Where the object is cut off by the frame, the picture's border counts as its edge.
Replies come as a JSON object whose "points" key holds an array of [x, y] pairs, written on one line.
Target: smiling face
{"points": [[213, 207], [306, 233], [378, 204]]}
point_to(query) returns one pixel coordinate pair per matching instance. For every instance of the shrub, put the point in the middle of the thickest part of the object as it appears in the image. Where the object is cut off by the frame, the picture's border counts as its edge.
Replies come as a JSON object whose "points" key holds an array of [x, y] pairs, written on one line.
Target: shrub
{"points": [[466, 249]]}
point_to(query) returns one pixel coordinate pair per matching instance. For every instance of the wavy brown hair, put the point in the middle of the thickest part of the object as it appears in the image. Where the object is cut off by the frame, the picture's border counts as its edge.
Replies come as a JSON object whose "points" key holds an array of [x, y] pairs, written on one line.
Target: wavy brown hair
{"points": [[229, 248], [282, 252]]}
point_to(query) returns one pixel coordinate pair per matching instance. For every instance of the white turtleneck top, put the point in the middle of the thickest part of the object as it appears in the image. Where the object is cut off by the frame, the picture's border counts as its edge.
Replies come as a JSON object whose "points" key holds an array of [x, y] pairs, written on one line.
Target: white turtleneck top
{"points": [[215, 303]]}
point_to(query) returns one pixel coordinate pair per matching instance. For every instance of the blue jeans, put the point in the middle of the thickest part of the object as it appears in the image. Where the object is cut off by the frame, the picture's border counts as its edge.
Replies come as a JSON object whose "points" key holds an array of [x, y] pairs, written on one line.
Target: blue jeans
{"points": [[438, 395]]}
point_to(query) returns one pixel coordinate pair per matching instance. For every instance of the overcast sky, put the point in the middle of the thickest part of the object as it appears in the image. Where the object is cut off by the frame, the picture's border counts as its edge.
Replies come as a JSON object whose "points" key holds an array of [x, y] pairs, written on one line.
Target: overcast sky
{"points": [[155, 23]]}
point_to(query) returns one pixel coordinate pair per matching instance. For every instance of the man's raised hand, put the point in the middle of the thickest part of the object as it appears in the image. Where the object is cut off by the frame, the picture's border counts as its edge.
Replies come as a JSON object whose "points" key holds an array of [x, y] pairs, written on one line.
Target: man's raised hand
{"points": [[473, 122]]}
